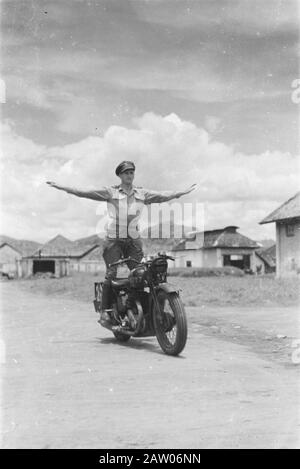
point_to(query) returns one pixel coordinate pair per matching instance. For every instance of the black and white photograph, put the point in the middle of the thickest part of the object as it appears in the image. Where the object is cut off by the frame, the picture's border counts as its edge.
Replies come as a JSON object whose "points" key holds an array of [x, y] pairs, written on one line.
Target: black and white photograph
{"points": [[150, 227]]}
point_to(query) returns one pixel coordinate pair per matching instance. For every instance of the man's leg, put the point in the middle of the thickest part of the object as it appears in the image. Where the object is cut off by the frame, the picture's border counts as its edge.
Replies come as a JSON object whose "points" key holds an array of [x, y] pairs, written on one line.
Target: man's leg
{"points": [[134, 248], [112, 252]]}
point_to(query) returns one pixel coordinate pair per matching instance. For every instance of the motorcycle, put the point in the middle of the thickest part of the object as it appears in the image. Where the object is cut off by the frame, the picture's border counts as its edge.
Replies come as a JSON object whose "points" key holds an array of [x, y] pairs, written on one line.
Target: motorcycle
{"points": [[157, 310]]}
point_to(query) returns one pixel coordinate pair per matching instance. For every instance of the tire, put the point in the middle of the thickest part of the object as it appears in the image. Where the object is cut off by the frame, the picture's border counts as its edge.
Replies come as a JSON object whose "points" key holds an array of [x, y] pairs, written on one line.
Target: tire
{"points": [[175, 317], [121, 337]]}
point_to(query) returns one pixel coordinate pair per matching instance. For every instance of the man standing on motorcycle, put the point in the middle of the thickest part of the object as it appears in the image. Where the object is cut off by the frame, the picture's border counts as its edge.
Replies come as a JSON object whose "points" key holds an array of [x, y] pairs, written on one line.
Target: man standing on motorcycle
{"points": [[124, 203]]}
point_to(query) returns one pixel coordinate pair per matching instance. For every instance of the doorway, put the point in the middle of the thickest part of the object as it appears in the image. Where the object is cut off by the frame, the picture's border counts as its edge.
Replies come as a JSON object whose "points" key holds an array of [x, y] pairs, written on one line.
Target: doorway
{"points": [[43, 266], [237, 260]]}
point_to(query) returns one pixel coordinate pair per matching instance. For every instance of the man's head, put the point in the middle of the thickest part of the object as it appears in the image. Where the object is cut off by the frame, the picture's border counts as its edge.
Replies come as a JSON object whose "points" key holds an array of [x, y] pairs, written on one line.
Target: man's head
{"points": [[125, 171]]}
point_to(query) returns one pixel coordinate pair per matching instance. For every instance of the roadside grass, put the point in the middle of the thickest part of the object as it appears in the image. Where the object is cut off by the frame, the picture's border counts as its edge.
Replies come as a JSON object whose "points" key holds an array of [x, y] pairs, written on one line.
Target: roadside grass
{"points": [[195, 291], [206, 271]]}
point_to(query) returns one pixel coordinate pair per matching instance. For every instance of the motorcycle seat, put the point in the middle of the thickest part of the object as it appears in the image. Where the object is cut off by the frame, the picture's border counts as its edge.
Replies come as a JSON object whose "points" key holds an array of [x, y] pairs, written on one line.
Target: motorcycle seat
{"points": [[120, 283]]}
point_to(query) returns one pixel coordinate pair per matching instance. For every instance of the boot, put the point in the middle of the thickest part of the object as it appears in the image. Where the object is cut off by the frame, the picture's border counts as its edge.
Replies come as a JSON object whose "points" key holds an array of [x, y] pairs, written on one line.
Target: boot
{"points": [[106, 300]]}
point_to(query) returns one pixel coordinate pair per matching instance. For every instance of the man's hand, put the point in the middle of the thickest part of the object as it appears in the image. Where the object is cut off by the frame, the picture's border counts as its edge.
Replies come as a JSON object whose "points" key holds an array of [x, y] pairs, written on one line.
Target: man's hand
{"points": [[52, 184], [190, 189]]}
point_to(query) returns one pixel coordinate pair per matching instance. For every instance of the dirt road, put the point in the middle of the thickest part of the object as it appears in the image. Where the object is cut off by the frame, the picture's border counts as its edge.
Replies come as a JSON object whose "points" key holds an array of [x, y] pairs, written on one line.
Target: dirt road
{"points": [[66, 383]]}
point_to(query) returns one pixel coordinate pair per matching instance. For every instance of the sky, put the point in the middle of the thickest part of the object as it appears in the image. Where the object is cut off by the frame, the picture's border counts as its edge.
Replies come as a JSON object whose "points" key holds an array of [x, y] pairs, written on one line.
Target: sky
{"points": [[191, 91]]}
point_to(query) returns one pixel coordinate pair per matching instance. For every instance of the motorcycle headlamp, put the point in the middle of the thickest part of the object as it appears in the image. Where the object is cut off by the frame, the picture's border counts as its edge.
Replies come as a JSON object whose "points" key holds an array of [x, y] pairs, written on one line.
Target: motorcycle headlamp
{"points": [[159, 266]]}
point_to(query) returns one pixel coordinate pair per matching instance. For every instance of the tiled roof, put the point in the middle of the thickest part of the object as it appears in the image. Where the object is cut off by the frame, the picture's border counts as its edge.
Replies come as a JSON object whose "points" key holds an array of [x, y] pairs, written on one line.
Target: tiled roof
{"points": [[225, 238]]}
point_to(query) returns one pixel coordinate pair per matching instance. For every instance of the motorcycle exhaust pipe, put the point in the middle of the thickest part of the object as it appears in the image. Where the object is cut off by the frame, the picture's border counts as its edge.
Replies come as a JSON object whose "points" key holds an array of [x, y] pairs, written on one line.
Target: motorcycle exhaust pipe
{"points": [[112, 328], [123, 331], [105, 324]]}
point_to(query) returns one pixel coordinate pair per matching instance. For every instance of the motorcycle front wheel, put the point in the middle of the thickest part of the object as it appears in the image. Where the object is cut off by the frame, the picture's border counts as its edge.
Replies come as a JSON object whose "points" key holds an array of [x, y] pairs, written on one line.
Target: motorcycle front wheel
{"points": [[171, 324]]}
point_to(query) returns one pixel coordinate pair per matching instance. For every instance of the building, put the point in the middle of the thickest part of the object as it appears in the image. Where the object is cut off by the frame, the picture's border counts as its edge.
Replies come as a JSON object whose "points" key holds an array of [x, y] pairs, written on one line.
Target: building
{"points": [[58, 256], [265, 259], [287, 219], [52, 257], [216, 248], [9, 255], [90, 261]]}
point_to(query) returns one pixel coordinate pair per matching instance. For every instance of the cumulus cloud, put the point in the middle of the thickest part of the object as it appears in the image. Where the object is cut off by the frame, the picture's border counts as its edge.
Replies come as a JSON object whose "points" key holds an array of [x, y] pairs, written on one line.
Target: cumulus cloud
{"points": [[212, 124], [169, 153]]}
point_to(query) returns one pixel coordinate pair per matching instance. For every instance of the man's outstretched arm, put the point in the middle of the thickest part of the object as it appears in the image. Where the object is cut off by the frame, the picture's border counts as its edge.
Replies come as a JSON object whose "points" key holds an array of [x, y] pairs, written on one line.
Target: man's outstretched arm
{"points": [[154, 197], [102, 194]]}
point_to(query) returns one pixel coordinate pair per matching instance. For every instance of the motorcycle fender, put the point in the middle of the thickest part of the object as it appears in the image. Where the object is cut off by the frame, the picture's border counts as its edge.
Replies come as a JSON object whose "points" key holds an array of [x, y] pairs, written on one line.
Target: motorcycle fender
{"points": [[167, 287]]}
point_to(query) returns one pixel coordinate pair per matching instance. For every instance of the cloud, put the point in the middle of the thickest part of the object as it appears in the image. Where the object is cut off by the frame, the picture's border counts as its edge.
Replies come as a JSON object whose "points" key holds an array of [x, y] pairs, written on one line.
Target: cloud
{"points": [[169, 152], [212, 124], [247, 16], [26, 91], [136, 52], [77, 69]]}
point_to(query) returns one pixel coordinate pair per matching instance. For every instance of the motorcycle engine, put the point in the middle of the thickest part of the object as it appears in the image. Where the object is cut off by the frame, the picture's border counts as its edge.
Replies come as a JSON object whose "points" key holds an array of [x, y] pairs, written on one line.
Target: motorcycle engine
{"points": [[121, 302], [136, 277]]}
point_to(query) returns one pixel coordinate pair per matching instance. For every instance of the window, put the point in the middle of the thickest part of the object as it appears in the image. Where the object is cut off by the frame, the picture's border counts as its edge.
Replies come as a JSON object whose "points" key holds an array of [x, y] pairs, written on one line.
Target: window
{"points": [[290, 229], [188, 263]]}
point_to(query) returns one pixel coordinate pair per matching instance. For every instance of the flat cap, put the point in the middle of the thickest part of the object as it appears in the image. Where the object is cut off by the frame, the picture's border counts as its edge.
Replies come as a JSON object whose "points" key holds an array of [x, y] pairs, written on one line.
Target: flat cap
{"points": [[123, 166]]}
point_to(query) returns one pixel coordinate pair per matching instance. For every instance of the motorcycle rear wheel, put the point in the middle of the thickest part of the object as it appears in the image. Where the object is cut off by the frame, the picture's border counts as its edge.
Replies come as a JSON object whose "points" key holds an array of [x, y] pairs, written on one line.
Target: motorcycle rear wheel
{"points": [[171, 328]]}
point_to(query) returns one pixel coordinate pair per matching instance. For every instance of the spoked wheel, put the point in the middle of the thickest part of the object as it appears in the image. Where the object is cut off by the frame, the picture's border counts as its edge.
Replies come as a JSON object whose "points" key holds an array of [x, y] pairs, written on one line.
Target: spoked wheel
{"points": [[171, 324]]}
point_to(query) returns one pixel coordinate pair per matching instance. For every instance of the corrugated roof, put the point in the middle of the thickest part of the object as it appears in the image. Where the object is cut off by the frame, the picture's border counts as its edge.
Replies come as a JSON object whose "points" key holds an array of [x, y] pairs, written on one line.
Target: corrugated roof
{"points": [[11, 246], [225, 238], [59, 246], [290, 209], [94, 254], [24, 246]]}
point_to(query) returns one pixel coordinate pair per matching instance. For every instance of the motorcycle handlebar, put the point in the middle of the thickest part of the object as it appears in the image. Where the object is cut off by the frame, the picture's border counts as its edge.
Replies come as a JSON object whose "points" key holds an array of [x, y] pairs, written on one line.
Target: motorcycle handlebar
{"points": [[166, 256], [121, 261]]}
